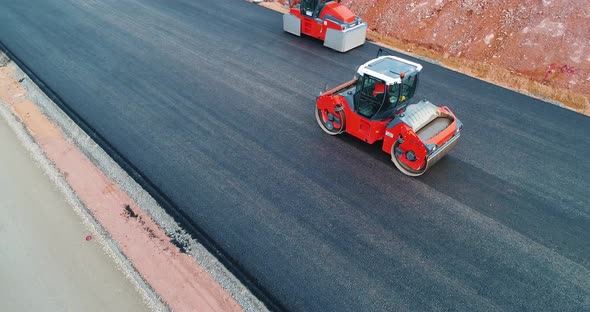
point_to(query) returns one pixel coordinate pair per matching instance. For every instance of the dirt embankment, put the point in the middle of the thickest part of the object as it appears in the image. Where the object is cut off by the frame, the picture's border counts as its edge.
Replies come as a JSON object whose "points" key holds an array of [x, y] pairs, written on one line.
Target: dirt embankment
{"points": [[537, 46]]}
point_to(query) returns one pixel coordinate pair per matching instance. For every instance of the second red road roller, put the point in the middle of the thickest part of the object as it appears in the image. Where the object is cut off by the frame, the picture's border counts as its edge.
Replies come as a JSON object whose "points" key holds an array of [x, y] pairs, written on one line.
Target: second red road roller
{"points": [[328, 21], [375, 106]]}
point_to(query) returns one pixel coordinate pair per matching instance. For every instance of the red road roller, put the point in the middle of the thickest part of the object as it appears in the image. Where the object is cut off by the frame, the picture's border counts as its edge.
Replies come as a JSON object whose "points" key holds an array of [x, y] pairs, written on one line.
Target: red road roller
{"points": [[374, 107], [328, 21]]}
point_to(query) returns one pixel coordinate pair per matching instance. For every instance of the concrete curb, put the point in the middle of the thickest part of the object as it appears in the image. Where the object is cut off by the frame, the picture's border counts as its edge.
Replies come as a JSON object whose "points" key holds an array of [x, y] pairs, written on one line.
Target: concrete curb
{"points": [[109, 246], [116, 174]]}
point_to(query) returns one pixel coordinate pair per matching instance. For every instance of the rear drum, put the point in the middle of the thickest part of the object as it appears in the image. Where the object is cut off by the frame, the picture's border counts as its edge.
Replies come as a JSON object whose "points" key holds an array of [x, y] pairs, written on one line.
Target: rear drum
{"points": [[331, 120], [405, 169]]}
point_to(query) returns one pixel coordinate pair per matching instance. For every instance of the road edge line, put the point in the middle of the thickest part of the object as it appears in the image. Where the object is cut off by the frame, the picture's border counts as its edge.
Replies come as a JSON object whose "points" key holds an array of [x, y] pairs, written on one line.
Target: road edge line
{"points": [[150, 298], [113, 171]]}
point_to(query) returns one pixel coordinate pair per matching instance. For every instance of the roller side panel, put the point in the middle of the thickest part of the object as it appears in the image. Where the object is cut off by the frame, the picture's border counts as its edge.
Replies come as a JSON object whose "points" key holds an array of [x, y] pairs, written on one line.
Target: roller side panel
{"points": [[292, 24], [344, 40]]}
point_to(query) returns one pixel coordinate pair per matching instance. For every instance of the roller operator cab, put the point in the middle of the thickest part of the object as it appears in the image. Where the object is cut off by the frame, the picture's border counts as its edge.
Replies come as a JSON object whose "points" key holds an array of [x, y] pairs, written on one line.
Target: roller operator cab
{"points": [[374, 106], [328, 21]]}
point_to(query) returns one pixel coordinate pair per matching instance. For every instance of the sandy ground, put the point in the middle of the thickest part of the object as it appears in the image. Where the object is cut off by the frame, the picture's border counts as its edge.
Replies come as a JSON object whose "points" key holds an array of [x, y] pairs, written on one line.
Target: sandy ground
{"points": [[46, 263]]}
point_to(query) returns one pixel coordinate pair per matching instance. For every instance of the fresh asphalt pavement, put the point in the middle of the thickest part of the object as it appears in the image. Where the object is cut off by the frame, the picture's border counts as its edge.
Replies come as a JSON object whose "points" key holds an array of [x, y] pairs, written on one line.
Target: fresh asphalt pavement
{"points": [[213, 103]]}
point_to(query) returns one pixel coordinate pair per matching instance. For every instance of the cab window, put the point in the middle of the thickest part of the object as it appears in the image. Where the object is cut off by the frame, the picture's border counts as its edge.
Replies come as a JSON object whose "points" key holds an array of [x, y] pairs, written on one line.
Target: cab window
{"points": [[409, 87], [394, 94], [370, 95]]}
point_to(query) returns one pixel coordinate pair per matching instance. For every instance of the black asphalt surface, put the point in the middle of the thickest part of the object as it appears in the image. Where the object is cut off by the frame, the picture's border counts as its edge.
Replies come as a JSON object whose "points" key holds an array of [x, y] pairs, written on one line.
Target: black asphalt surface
{"points": [[213, 103]]}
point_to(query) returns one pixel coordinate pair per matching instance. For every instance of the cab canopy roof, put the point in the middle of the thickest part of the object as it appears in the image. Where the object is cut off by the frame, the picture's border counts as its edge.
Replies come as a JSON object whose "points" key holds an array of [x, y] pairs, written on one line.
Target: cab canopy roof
{"points": [[388, 68]]}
